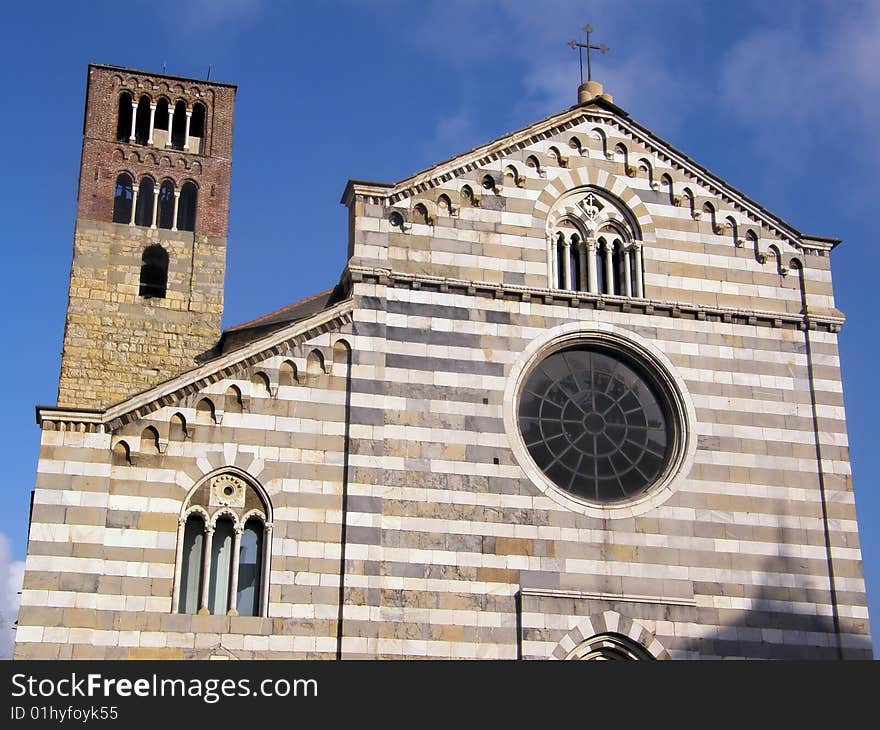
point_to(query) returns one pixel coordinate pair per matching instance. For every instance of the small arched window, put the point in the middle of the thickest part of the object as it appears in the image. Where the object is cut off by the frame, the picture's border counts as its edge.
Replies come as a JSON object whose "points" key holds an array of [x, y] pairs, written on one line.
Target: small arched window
{"points": [[122, 198], [160, 124], [186, 207], [232, 400], [123, 118], [165, 218], [154, 272], [142, 121], [287, 374], [224, 528], [177, 428], [420, 214], [149, 441], [178, 126], [143, 214], [205, 412]]}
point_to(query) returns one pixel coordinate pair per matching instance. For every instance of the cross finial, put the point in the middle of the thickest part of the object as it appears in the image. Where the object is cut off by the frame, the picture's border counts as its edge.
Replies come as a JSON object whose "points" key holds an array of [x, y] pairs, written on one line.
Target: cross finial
{"points": [[588, 29]]}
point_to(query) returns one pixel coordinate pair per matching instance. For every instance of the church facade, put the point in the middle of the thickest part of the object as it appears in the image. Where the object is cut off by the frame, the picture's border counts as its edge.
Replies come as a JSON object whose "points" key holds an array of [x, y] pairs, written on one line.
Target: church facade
{"points": [[574, 396]]}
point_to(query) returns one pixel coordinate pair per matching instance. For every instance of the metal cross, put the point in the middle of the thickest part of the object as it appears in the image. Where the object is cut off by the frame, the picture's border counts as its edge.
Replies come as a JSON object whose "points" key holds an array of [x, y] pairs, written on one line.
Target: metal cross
{"points": [[580, 48]]}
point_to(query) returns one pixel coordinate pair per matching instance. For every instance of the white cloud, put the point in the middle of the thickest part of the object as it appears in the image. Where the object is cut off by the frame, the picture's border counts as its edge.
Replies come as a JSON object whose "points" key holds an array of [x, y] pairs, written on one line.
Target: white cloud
{"points": [[809, 79], [11, 574]]}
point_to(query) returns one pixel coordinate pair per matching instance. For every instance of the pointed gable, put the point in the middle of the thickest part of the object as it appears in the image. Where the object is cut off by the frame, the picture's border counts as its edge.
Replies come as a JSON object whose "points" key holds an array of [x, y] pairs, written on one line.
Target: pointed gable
{"points": [[490, 217]]}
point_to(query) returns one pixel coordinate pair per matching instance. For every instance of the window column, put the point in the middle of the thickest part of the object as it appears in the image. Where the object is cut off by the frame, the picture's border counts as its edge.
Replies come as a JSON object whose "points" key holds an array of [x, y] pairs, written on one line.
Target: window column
{"points": [[170, 123], [176, 205], [155, 205], [566, 263], [267, 557], [637, 254], [627, 272], [134, 201], [178, 566], [592, 279], [552, 274], [206, 570], [152, 122], [608, 251], [186, 132], [582, 253], [134, 111], [233, 578]]}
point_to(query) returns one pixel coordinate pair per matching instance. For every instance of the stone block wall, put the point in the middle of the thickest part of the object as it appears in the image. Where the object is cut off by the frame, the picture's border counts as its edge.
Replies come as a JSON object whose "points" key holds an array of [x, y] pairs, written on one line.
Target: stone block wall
{"points": [[118, 343]]}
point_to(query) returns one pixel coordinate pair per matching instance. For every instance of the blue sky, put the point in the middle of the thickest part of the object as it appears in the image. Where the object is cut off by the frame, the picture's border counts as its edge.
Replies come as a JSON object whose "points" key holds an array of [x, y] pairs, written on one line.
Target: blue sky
{"points": [[780, 99]]}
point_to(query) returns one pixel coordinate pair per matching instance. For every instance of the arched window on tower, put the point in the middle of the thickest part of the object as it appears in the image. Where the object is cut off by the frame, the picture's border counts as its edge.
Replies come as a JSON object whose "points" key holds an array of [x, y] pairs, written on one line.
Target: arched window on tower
{"points": [[186, 211], [123, 118], [122, 198], [225, 529], [154, 272], [160, 125], [143, 214], [197, 129], [166, 205], [178, 126], [142, 121]]}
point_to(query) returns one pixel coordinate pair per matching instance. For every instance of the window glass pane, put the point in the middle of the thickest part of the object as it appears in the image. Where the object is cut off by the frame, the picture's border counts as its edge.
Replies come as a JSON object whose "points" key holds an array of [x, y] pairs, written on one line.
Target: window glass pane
{"points": [[221, 564], [250, 563], [595, 424], [191, 567]]}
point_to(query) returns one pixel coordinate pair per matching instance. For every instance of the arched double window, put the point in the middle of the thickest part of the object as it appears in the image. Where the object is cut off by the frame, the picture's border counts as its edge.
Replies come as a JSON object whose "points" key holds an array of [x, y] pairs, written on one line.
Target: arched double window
{"points": [[224, 540]]}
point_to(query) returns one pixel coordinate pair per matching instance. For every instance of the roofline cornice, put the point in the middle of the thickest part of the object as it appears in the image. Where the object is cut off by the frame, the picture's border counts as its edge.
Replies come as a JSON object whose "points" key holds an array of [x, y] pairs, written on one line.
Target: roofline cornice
{"points": [[829, 321]]}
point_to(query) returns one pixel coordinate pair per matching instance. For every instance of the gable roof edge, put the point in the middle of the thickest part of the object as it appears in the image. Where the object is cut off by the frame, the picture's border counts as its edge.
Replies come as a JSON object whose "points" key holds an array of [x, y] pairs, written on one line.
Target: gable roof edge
{"points": [[465, 162], [337, 315]]}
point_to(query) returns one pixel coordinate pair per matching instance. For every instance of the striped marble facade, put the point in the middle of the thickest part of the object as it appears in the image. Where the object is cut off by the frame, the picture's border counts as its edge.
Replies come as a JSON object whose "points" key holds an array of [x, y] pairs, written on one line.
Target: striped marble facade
{"points": [[404, 523]]}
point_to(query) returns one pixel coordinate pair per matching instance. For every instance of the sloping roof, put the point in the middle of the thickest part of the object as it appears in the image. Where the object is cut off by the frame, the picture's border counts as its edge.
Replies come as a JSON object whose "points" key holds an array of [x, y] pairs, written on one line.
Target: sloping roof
{"points": [[223, 365], [245, 333]]}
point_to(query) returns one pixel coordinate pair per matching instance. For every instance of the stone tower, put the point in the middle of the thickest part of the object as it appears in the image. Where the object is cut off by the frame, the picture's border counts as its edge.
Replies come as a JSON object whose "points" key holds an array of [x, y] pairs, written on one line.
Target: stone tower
{"points": [[149, 252]]}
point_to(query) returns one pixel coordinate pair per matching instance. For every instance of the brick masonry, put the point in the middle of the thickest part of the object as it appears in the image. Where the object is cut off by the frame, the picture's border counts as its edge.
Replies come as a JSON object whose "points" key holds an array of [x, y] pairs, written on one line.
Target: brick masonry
{"points": [[405, 524]]}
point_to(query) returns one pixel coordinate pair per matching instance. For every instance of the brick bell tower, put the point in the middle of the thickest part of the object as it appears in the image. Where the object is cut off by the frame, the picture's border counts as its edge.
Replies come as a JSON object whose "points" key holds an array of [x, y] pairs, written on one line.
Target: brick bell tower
{"points": [[149, 249]]}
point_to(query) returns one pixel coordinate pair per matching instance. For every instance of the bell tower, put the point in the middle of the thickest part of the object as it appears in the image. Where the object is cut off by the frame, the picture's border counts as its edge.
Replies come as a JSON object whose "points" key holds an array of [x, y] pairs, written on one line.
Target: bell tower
{"points": [[149, 249]]}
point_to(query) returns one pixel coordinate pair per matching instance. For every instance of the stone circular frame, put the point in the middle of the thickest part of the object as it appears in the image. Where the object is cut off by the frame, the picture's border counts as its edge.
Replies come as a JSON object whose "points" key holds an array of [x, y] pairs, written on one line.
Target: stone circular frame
{"points": [[639, 357]]}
